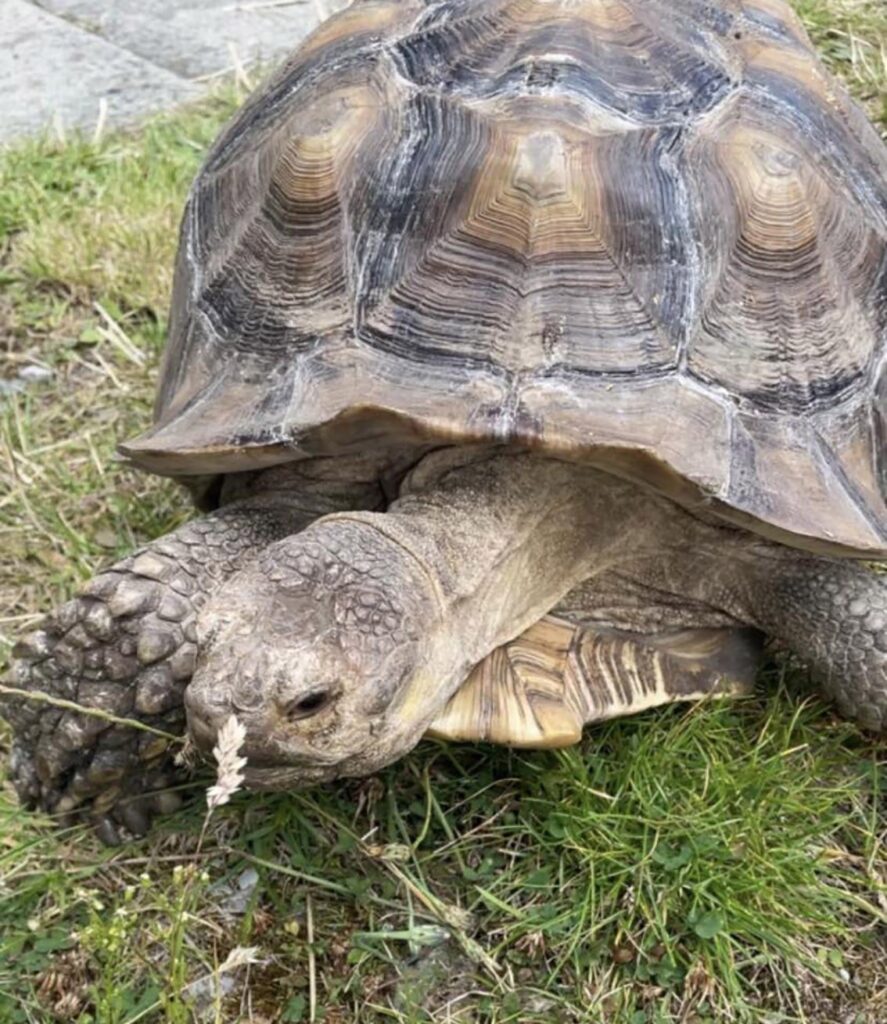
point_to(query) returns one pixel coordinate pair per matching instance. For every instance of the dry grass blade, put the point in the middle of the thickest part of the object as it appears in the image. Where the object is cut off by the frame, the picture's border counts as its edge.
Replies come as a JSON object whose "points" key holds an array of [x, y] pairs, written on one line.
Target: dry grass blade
{"points": [[101, 122], [207, 992], [70, 705], [241, 76], [116, 336], [312, 963]]}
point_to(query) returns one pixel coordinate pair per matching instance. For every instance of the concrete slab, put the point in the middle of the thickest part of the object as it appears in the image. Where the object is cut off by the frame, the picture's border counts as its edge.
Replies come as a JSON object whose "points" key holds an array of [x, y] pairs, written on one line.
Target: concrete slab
{"points": [[51, 70], [194, 37]]}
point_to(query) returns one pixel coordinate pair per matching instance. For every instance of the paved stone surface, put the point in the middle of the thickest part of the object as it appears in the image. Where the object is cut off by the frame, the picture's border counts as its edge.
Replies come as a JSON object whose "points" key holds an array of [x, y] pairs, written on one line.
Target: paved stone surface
{"points": [[193, 37], [59, 59], [50, 70]]}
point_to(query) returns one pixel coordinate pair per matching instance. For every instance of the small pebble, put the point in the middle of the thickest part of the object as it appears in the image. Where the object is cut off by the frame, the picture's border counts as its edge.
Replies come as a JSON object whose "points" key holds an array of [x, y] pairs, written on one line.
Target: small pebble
{"points": [[26, 375], [34, 374], [233, 899]]}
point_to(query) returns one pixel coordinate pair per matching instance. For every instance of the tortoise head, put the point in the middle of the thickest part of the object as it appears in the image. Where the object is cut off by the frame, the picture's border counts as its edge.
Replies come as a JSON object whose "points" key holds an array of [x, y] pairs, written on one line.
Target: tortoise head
{"points": [[315, 647]]}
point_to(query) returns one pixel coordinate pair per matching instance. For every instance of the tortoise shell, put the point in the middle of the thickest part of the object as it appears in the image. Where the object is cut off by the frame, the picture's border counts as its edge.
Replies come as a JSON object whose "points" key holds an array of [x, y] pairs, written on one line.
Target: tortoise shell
{"points": [[649, 234]]}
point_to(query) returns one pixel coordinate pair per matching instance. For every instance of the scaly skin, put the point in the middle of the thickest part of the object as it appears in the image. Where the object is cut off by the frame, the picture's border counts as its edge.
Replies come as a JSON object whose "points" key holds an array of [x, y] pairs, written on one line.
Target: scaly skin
{"points": [[833, 615], [339, 646], [127, 646]]}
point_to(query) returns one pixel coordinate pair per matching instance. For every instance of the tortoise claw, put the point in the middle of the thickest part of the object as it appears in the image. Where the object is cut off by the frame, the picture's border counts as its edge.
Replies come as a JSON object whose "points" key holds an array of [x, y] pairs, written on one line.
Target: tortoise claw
{"points": [[136, 816], [107, 832]]}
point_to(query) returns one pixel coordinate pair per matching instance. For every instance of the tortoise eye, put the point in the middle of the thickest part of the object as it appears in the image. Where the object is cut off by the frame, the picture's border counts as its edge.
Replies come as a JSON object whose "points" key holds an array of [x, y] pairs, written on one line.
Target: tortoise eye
{"points": [[308, 705]]}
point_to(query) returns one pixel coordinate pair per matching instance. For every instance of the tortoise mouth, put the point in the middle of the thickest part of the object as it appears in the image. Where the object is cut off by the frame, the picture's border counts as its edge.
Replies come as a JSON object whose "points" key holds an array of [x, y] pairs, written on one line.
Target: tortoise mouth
{"points": [[266, 762], [286, 777]]}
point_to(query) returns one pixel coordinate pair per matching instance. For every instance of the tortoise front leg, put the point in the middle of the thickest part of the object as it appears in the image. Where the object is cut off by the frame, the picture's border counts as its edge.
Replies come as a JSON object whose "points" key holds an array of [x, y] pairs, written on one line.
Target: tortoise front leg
{"points": [[125, 646]]}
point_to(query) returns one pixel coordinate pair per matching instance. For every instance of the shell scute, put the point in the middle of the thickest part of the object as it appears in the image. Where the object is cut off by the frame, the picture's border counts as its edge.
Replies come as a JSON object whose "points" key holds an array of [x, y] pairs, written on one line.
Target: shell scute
{"points": [[792, 261], [507, 251]]}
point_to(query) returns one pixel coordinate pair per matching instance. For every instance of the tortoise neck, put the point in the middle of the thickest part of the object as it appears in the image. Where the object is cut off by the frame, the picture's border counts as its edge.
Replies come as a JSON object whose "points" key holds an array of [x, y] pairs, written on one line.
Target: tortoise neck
{"points": [[501, 538]]}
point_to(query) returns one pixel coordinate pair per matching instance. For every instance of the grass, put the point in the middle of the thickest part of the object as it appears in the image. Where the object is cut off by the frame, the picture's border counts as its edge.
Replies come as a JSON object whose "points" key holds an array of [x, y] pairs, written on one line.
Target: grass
{"points": [[721, 863]]}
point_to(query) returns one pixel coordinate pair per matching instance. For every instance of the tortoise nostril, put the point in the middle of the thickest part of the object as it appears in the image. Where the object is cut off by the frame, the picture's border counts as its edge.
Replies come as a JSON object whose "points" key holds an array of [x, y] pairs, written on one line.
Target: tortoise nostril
{"points": [[202, 731], [307, 705]]}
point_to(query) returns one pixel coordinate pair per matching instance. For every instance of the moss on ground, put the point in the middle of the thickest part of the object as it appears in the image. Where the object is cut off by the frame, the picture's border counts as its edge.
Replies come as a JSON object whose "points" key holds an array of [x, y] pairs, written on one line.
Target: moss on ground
{"points": [[718, 863]]}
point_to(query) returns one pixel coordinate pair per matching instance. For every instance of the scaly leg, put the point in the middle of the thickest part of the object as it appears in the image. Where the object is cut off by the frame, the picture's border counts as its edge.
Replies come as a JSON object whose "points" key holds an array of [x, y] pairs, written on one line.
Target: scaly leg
{"points": [[833, 615]]}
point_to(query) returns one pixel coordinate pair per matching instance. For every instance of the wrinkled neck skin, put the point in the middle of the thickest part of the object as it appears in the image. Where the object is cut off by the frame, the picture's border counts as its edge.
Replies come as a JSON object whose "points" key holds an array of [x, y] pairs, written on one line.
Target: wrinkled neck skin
{"points": [[339, 645], [502, 539]]}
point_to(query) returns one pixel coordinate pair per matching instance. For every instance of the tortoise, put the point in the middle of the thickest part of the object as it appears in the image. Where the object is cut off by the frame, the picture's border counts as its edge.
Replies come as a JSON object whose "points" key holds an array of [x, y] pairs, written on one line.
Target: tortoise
{"points": [[526, 361]]}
